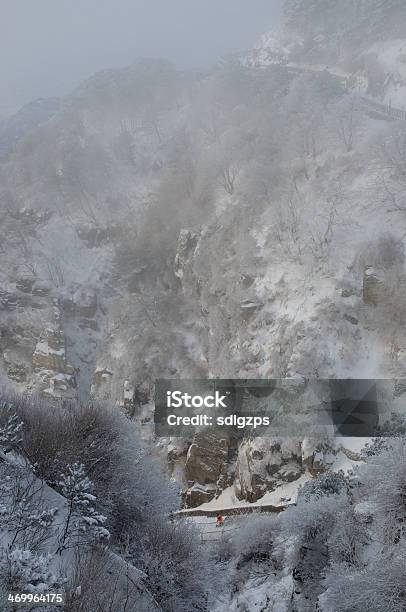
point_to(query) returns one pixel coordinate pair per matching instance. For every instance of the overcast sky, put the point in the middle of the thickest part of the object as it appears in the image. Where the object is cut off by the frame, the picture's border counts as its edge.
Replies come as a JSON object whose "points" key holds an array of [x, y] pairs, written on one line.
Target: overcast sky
{"points": [[48, 46]]}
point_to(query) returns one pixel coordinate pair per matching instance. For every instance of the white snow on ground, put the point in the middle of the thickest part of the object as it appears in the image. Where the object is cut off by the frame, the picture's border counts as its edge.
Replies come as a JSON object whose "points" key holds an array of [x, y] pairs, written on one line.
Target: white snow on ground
{"points": [[282, 496], [227, 499], [343, 463], [355, 445], [261, 593]]}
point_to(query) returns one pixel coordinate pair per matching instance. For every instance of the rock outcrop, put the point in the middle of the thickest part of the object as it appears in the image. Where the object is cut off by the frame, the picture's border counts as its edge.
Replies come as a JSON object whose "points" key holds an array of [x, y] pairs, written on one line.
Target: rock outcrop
{"points": [[372, 286], [264, 464], [101, 377], [199, 494], [51, 365], [206, 458]]}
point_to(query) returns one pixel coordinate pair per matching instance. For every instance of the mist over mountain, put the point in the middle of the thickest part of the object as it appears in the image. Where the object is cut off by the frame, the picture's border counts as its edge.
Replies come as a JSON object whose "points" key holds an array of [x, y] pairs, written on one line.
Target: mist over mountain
{"points": [[46, 50], [24, 121], [241, 221]]}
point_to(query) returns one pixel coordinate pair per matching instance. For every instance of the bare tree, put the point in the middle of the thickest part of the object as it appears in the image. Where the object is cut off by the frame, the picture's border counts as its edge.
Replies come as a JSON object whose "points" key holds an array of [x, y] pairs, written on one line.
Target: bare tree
{"points": [[287, 230], [228, 172], [347, 121]]}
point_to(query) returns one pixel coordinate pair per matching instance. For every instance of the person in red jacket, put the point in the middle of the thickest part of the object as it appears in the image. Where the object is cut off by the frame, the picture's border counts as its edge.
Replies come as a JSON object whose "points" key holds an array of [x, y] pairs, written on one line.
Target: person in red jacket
{"points": [[219, 520]]}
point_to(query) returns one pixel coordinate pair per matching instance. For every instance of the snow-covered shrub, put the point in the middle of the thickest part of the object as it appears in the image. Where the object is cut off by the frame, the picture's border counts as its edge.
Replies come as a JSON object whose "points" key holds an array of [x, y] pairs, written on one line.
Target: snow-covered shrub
{"points": [[375, 447], [179, 571], [328, 483], [305, 533], [347, 537], [25, 570], [140, 493], [118, 585], [255, 540], [57, 434], [378, 586], [394, 426], [384, 484], [313, 518]]}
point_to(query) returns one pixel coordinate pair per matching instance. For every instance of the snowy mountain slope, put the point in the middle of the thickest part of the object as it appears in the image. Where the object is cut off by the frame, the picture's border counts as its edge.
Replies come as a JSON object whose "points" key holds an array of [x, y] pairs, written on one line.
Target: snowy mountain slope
{"points": [[33, 528], [247, 222], [363, 39], [241, 223], [16, 127]]}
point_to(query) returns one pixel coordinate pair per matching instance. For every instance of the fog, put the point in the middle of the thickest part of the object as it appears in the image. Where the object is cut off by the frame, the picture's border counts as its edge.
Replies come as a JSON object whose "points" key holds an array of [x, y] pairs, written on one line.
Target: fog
{"points": [[47, 46]]}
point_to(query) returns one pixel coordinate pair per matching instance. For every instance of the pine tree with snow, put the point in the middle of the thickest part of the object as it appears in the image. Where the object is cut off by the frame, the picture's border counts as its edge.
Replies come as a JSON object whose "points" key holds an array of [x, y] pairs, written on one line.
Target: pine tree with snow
{"points": [[28, 571], [82, 516]]}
